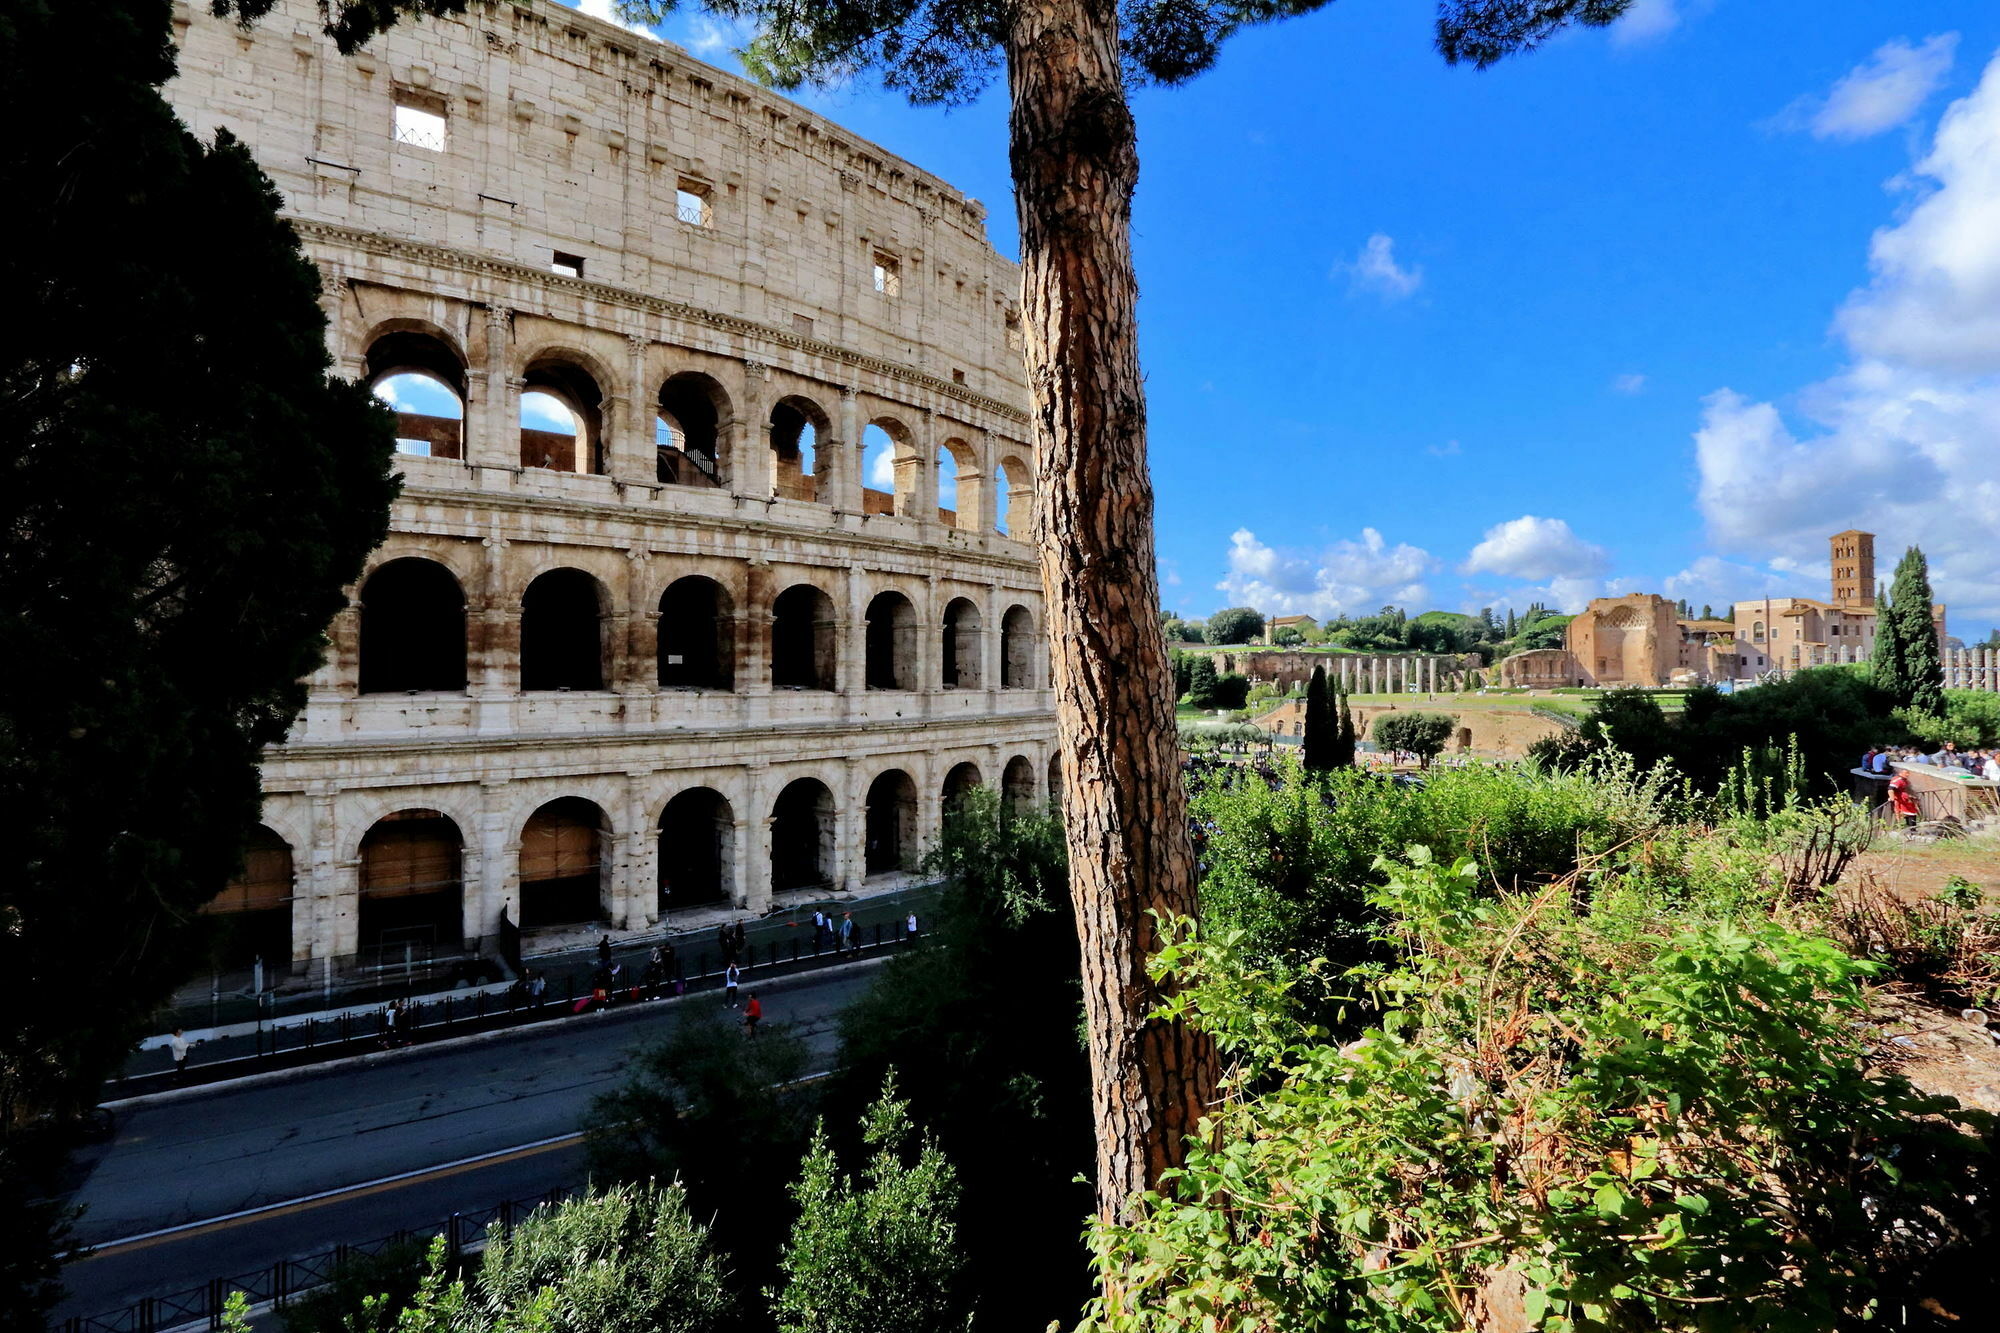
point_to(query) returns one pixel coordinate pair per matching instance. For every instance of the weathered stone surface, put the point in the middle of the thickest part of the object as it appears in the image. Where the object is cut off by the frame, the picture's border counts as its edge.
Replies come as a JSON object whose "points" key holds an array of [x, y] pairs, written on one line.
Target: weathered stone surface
{"points": [[643, 236]]}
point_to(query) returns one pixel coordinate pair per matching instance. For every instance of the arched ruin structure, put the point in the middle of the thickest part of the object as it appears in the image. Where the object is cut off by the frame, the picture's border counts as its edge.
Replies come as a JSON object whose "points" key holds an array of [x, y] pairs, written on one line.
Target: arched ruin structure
{"points": [[634, 315]]}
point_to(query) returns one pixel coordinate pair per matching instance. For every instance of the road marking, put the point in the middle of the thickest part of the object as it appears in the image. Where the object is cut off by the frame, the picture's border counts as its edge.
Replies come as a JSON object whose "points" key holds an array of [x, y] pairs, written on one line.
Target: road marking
{"points": [[149, 1238]]}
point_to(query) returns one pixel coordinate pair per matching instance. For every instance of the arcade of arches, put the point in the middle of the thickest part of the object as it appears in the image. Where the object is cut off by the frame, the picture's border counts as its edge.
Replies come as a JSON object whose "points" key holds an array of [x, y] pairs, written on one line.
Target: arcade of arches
{"points": [[427, 880], [408, 633]]}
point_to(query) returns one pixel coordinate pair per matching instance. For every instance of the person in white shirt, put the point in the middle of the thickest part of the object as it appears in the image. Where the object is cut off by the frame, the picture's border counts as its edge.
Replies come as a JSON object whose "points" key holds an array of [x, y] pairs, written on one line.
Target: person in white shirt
{"points": [[1990, 770], [178, 1044]]}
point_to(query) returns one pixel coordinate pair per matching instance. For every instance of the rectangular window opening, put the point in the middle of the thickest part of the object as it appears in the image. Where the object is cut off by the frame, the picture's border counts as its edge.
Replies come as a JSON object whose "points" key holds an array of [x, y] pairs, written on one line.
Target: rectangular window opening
{"points": [[888, 275], [802, 325], [691, 203], [567, 264], [958, 377], [420, 122]]}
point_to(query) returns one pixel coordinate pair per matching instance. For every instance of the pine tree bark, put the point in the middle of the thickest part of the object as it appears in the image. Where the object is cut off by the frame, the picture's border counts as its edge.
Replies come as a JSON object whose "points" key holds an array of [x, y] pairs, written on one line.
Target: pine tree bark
{"points": [[1075, 163]]}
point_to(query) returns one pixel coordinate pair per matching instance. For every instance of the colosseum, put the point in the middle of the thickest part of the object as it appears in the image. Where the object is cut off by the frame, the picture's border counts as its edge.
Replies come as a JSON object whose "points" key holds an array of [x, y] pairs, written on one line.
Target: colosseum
{"points": [[701, 591]]}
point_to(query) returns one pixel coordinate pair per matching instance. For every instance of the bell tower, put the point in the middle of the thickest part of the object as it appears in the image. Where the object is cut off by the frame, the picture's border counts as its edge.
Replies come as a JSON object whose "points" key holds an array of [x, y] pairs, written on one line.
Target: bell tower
{"points": [[1853, 568]]}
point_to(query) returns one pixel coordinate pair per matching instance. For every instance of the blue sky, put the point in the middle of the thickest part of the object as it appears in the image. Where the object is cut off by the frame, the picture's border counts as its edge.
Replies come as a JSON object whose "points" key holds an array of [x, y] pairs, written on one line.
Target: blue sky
{"points": [[1652, 309]]}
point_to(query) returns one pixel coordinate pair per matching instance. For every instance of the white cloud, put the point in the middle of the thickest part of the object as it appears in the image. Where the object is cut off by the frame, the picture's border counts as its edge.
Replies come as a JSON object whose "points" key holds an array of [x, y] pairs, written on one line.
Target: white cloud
{"points": [[882, 469], [1537, 548], [1903, 439], [1375, 270], [1449, 449], [1716, 582], [1881, 93], [1645, 21], [709, 37], [1344, 578], [1628, 384]]}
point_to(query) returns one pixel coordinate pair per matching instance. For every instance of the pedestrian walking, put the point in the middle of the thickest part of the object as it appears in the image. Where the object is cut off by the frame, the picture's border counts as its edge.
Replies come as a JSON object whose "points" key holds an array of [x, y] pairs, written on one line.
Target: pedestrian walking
{"points": [[1904, 799], [753, 1015], [739, 942], [722, 943], [730, 976], [910, 927], [604, 952], [846, 931], [178, 1044]]}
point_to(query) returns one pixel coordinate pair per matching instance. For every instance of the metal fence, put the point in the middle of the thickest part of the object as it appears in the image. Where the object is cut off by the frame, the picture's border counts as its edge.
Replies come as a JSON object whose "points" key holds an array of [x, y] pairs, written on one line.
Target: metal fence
{"points": [[577, 991], [288, 1279]]}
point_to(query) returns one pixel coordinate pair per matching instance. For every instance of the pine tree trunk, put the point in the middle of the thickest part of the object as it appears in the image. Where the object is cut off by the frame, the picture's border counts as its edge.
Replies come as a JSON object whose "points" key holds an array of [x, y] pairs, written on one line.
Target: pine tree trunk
{"points": [[1075, 163]]}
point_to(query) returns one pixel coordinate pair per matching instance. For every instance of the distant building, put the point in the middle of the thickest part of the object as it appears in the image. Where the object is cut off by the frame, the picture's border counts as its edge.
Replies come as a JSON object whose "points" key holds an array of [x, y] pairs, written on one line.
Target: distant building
{"points": [[1303, 624], [1641, 640]]}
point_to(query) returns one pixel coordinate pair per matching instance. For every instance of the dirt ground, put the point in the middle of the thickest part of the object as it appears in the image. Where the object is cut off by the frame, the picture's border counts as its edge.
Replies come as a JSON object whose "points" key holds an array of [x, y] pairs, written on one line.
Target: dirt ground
{"points": [[1938, 1049]]}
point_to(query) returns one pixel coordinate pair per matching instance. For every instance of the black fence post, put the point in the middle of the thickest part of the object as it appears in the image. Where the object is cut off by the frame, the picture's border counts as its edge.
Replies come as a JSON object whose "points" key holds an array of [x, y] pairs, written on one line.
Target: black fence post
{"points": [[454, 1238], [148, 1319], [215, 1298], [280, 1275]]}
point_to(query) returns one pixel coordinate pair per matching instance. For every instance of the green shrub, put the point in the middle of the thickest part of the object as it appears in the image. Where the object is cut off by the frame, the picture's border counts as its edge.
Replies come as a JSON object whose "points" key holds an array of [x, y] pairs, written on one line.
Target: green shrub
{"points": [[628, 1259], [1632, 1115]]}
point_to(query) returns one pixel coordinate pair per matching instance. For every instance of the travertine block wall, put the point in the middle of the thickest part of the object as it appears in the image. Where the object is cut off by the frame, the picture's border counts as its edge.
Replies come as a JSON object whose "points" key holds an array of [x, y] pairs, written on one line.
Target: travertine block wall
{"points": [[564, 136]]}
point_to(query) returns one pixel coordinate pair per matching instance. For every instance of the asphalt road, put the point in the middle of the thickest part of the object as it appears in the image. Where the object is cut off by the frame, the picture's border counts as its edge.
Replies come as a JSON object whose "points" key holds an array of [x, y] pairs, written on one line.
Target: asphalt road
{"points": [[226, 1180]]}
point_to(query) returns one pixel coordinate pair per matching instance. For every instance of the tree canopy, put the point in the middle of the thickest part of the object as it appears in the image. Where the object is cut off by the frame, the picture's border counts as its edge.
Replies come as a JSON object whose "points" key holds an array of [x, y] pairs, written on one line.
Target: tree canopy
{"points": [[1421, 734], [1235, 624]]}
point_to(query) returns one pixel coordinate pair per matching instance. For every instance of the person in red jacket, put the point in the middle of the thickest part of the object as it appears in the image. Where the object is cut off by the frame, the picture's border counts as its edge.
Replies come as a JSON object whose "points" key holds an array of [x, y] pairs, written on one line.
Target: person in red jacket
{"points": [[1904, 799], [752, 1012]]}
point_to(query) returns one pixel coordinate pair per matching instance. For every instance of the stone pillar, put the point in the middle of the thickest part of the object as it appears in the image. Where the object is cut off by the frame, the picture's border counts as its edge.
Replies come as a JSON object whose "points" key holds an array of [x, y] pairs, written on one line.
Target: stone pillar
{"points": [[984, 515], [929, 777], [492, 864], [753, 840], [752, 664], [636, 901], [631, 454], [749, 468], [850, 822], [851, 634], [930, 639], [845, 450], [350, 360], [990, 617], [495, 439], [316, 907]]}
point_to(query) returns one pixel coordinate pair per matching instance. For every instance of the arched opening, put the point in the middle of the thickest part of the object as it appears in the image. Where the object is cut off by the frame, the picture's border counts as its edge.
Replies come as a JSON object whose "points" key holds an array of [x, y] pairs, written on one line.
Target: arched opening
{"points": [[957, 783], [412, 628], [421, 380], [694, 646], [892, 643], [797, 427], [562, 419], [1017, 785], [960, 646], [891, 823], [947, 485], [562, 640], [1017, 649], [251, 918], [563, 864], [892, 469], [412, 893], [802, 852], [1055, 779], [688, 432], [1014, 513], [697, 850], [802, 639]]}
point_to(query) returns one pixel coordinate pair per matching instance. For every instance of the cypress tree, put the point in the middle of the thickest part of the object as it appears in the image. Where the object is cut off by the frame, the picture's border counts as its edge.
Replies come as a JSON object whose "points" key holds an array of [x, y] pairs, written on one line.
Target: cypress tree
{"points": [[1344, 736], [1321, 731], [1511, 625], [1916, 634], [1201, 683], [1887, 665]]}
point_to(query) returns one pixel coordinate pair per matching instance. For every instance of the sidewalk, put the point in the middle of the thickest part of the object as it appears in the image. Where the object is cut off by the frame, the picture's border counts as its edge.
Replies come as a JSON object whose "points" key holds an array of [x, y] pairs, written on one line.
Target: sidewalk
{"points": [[783, 938]]}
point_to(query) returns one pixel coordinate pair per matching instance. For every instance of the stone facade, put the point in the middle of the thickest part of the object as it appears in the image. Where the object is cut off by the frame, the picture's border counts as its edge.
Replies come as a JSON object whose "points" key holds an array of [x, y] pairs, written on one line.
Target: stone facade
{"points": [[1358, 673], [681, 654]]}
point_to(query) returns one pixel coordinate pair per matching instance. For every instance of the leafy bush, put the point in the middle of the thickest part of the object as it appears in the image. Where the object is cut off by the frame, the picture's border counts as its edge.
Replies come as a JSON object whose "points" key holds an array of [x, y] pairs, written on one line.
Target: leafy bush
{"points": [[880, 1257], [1231, 691], [344, 1305], [628, 1259], [1291, 863], [1576, 1111]]}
